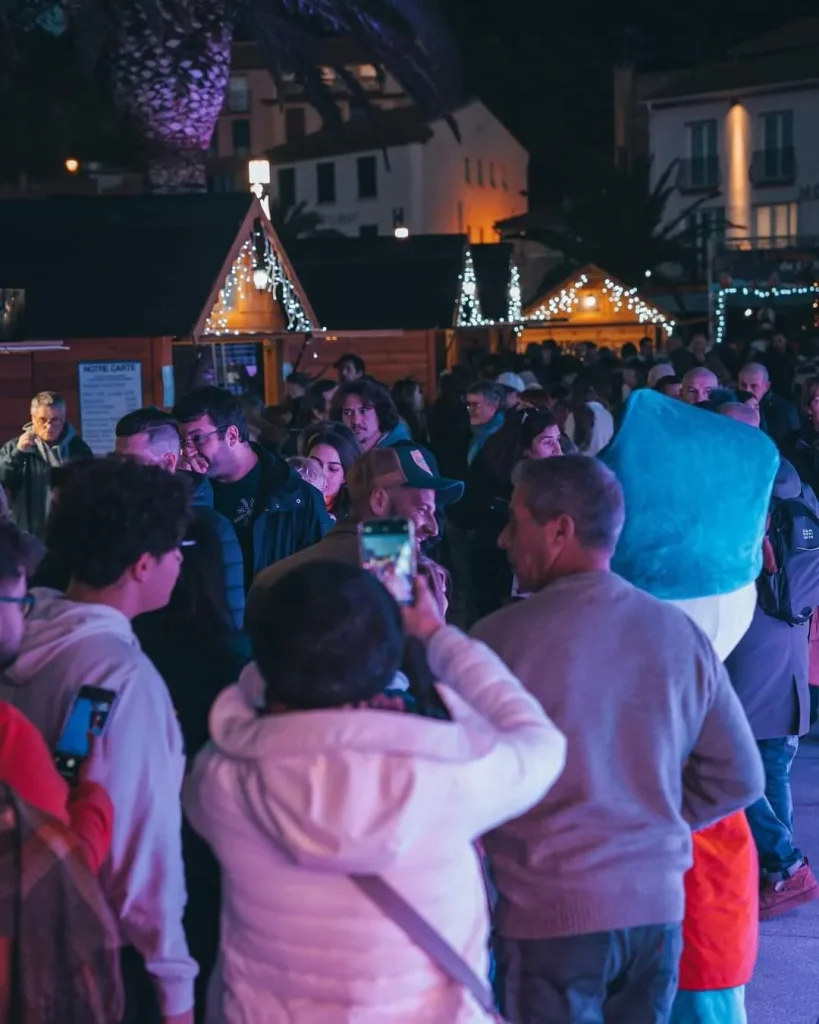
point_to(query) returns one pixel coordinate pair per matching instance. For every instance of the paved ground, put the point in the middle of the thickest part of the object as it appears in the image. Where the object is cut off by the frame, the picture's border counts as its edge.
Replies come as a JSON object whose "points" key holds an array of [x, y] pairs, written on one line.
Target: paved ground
{"points": [[785, 989]]}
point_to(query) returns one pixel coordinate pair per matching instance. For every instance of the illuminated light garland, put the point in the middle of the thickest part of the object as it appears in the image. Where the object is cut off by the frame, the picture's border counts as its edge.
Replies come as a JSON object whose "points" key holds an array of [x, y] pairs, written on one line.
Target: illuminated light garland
{"points": [[758, 293], [469, 303], [564, 302], [280, 284], [239, 275], [568, 299], [245, 273], [645, 313], [514, 309]]}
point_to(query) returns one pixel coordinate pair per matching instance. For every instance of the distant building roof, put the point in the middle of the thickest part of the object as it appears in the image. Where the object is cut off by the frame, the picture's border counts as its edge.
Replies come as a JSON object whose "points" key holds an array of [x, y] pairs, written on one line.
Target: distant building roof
{"points": [[493, 271], [378, 129], [789, 55], [135, 266], [382, 283]]}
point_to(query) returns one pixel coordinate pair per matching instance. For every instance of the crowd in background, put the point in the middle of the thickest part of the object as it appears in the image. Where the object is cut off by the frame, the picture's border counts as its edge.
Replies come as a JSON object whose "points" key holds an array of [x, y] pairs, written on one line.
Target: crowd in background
{"points": [[347, 763]]}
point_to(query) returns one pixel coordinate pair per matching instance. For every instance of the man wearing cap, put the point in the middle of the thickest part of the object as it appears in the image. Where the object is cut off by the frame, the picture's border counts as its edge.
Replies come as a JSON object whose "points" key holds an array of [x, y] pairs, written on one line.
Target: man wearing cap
{"points": [[513, 386], [383, 483]]}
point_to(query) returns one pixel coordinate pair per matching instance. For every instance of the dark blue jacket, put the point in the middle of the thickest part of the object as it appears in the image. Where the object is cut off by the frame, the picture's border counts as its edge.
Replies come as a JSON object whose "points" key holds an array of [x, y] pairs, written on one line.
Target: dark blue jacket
{"points": [[293, 513], [232, 564], [779, 420]]}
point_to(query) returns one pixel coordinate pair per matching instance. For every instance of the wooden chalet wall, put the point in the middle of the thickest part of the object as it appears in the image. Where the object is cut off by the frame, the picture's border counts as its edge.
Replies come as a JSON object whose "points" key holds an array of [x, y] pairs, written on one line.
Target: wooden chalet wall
{"points": [[23, 374], [389, 355]]}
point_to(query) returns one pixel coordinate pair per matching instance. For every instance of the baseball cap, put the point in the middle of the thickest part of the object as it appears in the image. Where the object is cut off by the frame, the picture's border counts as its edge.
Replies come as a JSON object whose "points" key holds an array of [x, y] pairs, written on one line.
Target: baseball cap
{"points": [[403, 466], [512, 381]]}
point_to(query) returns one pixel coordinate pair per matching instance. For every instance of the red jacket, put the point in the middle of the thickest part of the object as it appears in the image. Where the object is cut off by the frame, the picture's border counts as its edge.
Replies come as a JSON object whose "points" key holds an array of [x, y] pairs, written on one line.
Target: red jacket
{"points": [[28, 767], [721, 926]]}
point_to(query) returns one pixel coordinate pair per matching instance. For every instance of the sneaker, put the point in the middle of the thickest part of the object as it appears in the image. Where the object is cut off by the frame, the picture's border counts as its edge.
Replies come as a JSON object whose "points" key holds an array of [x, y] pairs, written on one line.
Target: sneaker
{"points": [[789, 893]]}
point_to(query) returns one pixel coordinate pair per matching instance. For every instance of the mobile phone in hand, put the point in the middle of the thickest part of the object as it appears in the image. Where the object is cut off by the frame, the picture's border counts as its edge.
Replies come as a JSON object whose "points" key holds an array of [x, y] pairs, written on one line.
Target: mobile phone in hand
{"points": [[89, 715], [387, 549]]}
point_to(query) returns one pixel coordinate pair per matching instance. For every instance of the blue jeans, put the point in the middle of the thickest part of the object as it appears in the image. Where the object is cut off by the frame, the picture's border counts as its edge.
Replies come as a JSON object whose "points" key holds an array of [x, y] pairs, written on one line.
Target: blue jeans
{"points": [[621, 977], [771, 817], [717, 1006]]}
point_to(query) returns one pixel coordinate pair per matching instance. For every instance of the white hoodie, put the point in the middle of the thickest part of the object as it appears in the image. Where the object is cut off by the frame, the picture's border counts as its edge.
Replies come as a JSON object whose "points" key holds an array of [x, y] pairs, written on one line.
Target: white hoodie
{"points": [[294, 803], [140, 761]]}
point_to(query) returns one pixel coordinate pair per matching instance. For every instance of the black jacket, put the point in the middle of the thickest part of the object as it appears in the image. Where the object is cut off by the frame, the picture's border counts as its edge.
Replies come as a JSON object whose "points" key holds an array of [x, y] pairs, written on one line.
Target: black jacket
{"points": [[769, 666], [779, 420], [293, 513]]}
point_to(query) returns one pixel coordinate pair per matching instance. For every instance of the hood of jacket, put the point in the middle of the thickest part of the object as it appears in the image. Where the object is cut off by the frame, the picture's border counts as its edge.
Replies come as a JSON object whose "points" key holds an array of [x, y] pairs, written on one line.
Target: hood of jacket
{"points": [[337, 790], [66, 437], [279, 480], [395, 436], [54, 622]]}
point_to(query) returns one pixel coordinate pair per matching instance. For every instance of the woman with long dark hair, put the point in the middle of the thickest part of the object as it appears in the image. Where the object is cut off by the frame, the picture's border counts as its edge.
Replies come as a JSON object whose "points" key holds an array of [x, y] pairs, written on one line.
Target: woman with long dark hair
{"points": [[335, 448], [409, 400], [589, 423]]}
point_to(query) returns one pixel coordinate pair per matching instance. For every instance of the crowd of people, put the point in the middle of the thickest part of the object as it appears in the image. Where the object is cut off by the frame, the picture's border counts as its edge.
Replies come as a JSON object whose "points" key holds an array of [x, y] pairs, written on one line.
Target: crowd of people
{"points": [[312, 804]]}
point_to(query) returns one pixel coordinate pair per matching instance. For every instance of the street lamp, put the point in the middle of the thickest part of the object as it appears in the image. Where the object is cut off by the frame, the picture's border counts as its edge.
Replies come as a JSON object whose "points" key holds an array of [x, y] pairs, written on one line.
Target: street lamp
{"points": [[258, 174]]}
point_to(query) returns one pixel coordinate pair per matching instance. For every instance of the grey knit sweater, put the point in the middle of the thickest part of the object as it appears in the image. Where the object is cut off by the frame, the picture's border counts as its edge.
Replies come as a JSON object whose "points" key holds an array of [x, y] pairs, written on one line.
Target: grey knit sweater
{"points": [[658, 744]]}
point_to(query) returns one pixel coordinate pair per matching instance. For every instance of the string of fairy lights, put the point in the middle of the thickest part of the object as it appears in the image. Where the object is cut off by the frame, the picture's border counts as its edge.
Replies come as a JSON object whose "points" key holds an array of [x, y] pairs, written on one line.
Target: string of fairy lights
{"points": [[469, 312], [572, 297], [752, 292], [265, 274]]}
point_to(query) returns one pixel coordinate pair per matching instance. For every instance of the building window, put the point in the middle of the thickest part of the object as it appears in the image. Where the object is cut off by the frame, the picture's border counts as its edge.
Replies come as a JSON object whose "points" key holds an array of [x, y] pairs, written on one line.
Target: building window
{"points": [[774, 163], [367, 177], [460, 217], [287, 187], [480, 235], [241, 136], [295, 123], [776, 225], [491, 175], [467, 171], [368, 231], [238, 94], [702, 168], [328, 76], [479, 172], [213, 145], [221, 183], [326, 182]]}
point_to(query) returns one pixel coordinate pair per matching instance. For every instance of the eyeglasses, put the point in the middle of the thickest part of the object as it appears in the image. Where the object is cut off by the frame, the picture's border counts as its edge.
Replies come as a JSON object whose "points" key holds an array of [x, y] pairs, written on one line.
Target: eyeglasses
{"points": [[197, 440], [27, 603]]}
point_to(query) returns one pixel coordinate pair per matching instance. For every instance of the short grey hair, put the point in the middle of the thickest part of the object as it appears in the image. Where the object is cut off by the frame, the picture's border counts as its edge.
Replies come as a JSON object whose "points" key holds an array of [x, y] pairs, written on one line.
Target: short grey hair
{"points": [[579, 487], [756, 368], [490, 390], [48, 398], [700, 371]]}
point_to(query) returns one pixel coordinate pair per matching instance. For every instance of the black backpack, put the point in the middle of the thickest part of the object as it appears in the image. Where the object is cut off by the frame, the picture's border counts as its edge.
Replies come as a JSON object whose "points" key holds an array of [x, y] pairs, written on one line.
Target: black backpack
{"points": [[792, 592]]}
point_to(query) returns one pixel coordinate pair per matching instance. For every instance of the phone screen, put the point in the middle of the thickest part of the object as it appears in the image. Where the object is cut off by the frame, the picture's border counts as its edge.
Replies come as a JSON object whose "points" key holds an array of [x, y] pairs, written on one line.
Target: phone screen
{"points": [[388, 552], [89, 714]]}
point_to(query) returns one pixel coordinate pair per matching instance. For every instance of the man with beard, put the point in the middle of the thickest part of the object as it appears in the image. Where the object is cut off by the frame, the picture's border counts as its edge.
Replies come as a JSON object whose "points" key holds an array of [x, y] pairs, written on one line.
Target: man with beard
{"points": [[274, 512]]}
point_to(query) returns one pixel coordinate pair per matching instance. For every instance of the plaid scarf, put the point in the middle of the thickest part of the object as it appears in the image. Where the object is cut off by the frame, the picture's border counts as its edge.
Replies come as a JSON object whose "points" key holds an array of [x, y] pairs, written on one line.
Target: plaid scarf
{"points": [[63, 938]]}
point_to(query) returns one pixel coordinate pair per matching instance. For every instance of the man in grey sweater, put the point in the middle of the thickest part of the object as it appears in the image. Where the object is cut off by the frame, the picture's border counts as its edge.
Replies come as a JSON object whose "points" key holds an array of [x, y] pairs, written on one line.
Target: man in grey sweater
{"points": [[590, 881]]}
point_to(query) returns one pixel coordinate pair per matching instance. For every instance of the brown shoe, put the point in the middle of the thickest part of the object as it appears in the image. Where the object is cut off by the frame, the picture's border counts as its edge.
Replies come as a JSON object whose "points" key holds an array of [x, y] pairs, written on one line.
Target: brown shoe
{"points": [[788, 894]]}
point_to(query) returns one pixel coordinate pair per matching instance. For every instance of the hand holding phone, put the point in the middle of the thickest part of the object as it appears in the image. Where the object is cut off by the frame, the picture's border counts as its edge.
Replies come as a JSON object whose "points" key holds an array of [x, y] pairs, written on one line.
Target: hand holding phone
{"points": [[88, 717], [387, 549], [423, 618]]}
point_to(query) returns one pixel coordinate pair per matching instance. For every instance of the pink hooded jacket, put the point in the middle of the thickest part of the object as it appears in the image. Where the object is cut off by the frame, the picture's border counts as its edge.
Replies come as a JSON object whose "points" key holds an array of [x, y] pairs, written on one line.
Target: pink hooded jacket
{"points": [[294, 803]]}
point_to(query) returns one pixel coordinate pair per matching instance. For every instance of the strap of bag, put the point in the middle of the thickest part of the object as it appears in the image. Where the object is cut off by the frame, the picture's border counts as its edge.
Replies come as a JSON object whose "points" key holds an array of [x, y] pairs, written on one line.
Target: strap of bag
{"points": [[396, 908]]}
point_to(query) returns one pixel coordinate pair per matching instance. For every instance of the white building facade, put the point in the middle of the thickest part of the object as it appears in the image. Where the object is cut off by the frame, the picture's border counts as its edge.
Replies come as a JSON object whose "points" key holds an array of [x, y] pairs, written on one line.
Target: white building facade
{"points": [[402, 172], [744, 136]]}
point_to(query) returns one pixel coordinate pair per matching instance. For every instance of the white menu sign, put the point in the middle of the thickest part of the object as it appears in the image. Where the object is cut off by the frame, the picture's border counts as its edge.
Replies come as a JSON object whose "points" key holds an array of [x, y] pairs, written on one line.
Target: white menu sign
{"points": [[107, 392]]}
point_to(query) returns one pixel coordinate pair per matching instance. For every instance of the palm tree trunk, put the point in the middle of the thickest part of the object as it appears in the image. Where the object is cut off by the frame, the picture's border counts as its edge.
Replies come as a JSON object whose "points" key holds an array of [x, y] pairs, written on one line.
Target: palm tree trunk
{"points": [[170, 77]]}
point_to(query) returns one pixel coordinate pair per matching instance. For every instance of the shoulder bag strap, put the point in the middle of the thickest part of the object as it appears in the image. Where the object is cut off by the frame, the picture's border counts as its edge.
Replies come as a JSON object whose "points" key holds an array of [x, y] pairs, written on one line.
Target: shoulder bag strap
{"points": [[440, 952]]}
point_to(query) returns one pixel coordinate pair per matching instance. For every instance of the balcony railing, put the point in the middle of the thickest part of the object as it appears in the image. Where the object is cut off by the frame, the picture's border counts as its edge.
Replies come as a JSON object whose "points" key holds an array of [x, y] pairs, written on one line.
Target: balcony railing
{"points": [[700, 174], [808, 242], [773, 167]]}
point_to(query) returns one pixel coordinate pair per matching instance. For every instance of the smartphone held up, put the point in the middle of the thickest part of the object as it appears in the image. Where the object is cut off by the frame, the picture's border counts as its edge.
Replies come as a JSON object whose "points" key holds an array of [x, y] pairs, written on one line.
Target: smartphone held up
{"points": [[387, 550], [88, 717]]}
